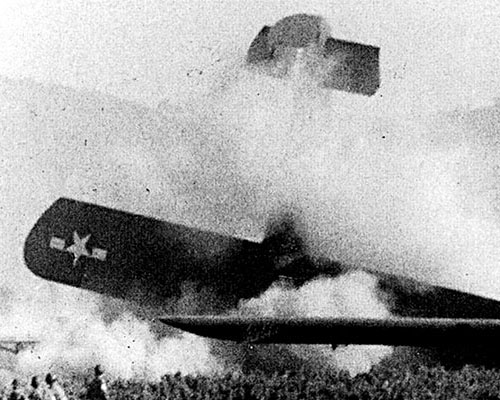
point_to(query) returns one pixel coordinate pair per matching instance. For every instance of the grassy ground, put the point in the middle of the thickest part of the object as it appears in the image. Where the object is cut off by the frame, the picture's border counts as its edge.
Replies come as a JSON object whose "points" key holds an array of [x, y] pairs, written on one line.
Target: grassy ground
{"points": [[385, 381], [395, 378]]}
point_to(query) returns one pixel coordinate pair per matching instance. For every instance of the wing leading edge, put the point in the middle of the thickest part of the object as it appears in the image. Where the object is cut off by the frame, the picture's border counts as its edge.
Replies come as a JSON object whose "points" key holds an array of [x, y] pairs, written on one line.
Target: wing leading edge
{"points": [[424, 332]]}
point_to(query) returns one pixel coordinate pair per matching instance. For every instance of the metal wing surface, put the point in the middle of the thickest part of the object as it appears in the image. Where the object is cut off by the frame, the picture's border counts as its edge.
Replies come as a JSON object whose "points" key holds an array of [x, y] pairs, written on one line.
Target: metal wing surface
{"points": [[425, 332]]}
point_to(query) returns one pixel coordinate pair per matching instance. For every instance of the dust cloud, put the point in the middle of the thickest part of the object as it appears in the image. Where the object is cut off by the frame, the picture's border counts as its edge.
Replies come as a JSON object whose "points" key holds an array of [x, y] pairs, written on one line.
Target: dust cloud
{"points": [[72, 337]]}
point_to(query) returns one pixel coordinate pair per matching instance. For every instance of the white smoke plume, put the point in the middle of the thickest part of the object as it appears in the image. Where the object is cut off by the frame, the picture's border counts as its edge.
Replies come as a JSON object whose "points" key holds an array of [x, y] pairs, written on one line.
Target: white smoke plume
{"points": [[72, 337], [412, 195]]}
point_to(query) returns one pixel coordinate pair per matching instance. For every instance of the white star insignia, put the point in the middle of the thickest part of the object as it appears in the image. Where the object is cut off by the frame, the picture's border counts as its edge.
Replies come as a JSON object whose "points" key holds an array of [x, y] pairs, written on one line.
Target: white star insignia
{"points": [[79, 247]]}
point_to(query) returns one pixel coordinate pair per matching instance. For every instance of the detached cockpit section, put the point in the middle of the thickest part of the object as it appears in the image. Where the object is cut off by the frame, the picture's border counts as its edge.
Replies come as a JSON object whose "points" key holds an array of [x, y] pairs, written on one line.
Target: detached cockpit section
{"points": [[301, 43]]}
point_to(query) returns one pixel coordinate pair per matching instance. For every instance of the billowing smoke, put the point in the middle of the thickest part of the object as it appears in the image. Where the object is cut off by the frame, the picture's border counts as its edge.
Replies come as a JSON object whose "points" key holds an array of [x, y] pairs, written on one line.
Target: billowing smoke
{"points": [[126, 348], [351, 295], [72, 337], [371, 187]]}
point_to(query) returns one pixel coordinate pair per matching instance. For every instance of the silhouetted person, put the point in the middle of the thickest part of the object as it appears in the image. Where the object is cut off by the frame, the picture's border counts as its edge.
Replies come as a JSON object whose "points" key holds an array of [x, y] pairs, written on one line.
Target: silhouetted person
{"points": [[98, 390], [16, 393], [36, 390], [54, 390]]}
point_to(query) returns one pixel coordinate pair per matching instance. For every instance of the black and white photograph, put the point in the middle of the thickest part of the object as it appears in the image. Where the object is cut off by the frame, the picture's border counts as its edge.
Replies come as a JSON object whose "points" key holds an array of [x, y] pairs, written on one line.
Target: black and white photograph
{"points": [[249, 199]]}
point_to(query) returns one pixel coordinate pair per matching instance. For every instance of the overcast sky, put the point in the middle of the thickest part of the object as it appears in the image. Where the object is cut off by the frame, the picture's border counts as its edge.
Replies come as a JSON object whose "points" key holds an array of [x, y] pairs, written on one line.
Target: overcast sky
{"points": [[446, 51]]}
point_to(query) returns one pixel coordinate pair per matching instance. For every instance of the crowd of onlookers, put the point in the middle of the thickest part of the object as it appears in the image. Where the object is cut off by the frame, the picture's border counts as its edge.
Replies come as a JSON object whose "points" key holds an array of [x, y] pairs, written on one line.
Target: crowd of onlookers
{"points": [[417, 382], [51, 389]]}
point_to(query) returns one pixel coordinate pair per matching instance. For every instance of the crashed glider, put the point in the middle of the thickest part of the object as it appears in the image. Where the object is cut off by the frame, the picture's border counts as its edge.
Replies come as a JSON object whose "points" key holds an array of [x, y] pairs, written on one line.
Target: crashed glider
{"points": [[149, 262]]}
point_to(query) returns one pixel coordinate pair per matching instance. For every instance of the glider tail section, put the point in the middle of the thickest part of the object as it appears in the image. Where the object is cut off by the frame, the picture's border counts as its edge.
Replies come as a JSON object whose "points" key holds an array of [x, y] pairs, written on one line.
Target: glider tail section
{"points": [[336, 64]]}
